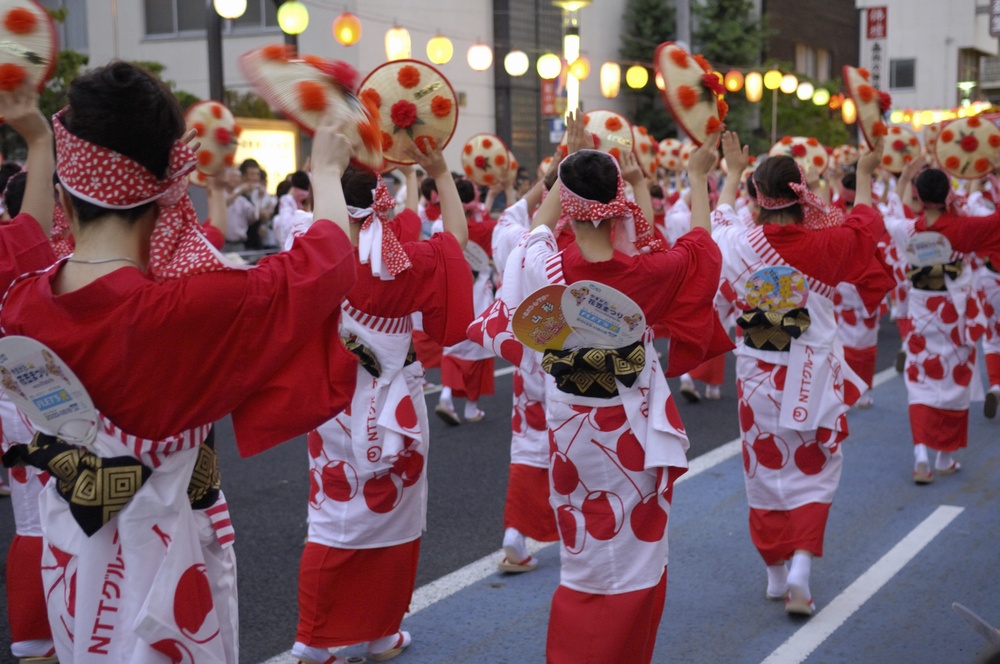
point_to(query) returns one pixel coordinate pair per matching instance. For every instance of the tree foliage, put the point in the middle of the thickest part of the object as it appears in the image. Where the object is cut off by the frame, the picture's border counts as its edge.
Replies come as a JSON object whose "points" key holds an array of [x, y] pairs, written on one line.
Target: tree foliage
{"points": [[647, 24]]}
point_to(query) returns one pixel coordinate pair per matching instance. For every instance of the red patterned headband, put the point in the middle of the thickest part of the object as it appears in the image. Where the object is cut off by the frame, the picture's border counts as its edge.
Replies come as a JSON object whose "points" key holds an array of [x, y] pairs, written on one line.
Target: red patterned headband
{"points": [[816, 214], [111, 180], [378, 246], [579, 208]]}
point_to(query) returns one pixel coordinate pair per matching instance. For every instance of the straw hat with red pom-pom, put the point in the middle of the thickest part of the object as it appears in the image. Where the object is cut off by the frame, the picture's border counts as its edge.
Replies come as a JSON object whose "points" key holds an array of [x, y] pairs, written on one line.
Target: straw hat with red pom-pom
{"points": [[901, 147], [305, 88], [843, 156], [645, 149], [931, 133], [669, 154], [691, 90], [969, 148], [31, 44], [218, 134], [871, 104], [806, 151], [612, 133], [416, 102], [486, 159]]}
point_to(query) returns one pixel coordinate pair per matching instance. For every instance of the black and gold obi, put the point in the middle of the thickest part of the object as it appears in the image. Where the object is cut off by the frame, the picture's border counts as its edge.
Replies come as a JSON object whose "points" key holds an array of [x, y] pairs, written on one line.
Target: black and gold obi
{"points": [[932, 277], [367, 358], [773, 330], [592, 372]]}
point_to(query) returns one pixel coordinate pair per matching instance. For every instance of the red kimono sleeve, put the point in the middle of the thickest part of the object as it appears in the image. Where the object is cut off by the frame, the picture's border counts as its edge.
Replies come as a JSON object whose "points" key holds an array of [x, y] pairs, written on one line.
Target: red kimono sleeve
{"points": [[970, 234], [690, 319], [445, 297], [23, 248]]}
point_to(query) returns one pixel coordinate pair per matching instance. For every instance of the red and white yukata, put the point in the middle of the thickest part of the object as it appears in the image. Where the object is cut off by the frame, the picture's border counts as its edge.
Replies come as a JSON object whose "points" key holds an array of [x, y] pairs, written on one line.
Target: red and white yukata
{"points": [[527, 507], [162, 360], [466, 367], [613, 460], [793, 399], [947, 320], [368, 480]]}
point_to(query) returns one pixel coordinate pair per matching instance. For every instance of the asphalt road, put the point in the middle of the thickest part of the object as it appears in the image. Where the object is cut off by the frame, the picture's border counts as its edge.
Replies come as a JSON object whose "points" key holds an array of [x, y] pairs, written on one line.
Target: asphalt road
{"points": [[468, 475]]}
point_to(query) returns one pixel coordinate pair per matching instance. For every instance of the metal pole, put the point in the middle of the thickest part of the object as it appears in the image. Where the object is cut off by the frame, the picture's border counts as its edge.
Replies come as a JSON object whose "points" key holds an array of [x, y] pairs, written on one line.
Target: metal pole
{"points": [[291, 40], [684, 22], [774, 116], [216, 87]]}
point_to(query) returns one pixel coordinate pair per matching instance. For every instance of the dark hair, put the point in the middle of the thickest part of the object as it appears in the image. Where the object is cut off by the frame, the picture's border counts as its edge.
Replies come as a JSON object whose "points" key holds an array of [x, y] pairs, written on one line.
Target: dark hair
{"points": [[248, 164], [466, 190], [124, 108], [751, 189], [656, 191], [13, 192], [849, 181], [427, 186], [358, 185], [283, 188], [590, 174], [932, 187], [773, 177], [300, 180], [7, 170]]}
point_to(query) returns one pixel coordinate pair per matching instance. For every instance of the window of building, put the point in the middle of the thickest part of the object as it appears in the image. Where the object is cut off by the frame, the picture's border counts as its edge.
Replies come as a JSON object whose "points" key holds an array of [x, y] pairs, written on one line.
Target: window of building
{"points": [[902, 74], [73, 30], [186, 18], [823, 65], [813, 62]]}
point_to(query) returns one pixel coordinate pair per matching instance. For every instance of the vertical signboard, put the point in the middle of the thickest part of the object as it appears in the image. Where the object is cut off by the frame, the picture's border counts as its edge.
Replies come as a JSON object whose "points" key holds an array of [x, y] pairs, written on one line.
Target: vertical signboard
{"points": [[874, 56], [994, 18]]}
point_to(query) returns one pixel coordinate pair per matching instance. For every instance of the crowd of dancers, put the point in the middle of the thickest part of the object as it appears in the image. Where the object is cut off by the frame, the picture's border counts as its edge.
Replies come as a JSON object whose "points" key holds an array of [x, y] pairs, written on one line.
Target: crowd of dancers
{"points": [[789, 270]]}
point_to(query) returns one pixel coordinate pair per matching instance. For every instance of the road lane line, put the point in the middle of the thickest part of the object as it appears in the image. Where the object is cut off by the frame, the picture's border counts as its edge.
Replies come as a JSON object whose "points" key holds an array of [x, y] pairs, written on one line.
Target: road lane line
{"points": [[809, 637], [476, 571]]}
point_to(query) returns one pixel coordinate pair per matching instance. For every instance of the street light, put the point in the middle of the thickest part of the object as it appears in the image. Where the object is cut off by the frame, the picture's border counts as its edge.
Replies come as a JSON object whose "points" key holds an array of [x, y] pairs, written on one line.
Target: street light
{"points": [[229, 9], [571, 47]]}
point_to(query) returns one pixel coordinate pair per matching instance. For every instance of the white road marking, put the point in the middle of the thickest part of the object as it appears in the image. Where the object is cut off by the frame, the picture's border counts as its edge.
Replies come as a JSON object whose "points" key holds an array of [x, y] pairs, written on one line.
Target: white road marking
{"points": [[474, 572], [809, 637]]}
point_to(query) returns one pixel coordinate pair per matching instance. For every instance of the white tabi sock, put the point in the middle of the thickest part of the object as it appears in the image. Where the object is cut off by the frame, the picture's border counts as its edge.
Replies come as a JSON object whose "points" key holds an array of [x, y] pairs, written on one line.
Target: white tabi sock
{"points": [[445, 397], [944, 461], [389, 642], [33, 648], [777, 581], [798, 576], [919, 455], [514, 546], [302, 651], [471, 409]]}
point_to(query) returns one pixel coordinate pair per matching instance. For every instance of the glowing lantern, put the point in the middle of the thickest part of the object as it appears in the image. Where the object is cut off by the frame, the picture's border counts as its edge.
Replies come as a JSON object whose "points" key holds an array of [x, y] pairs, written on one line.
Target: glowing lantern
{"points": [[637, 77], [347, 29], [849, 111], [580, 68], [439, 50], [772, 79], [231, 9], [734, 80], [805, 90], [788, 83], [516, 63], [658, 80], [293, 17], [397, 43], [821, 97], [754, 85], [480, 56], [611, 79], [549, 66]]}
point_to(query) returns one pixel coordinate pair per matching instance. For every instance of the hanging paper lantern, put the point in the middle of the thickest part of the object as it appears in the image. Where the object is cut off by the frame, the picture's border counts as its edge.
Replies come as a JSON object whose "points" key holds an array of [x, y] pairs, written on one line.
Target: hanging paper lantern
{"points": [[293, 17], [347, 29], [788, 83], [440, 50], [821, 97], [580, 68], [658, 80], [754, 84], [636, 77], [397, 43], [805, 90], [480, 56], [734, 80], [849, 111], [231, 9], [549, 66], [772, 79], [516, 63], [611, 79]]}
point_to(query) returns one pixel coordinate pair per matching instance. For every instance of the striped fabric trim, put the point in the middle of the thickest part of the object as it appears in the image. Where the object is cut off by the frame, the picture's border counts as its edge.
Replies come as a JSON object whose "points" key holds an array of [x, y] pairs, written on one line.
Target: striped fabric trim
{"points": [[153, 452], [378, 323], [553, 269], [218, 515], [769, 256]]}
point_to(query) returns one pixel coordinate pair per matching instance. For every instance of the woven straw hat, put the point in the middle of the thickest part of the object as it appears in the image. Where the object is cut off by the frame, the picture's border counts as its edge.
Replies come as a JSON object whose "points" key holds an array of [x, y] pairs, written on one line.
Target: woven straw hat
{"points": [[414, 101], [645, 148], [806, 151], [31, 47], [871, 103], [968, 148], [901, 147], [486, 159], [843, 156], [670, 154], [611, 131], [691, 90], [304, 89], [218, 133]]}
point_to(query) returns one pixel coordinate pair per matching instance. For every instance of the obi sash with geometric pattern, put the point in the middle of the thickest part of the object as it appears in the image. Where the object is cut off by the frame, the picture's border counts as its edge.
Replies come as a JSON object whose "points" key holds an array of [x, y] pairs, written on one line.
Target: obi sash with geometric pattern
{"points": [[932, 277], [206, 479], [369, 362], [773, 330], [593, 372]]}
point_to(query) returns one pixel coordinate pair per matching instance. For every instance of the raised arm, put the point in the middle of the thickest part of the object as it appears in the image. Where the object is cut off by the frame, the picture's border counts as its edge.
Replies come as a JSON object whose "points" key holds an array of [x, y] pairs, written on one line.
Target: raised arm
{"points": [[737, 159], [20, 110], [331, 153], [452, 213], [577, 138], [412, 187], [910, 172], [632, 173], [866, 166], [699, 165]]}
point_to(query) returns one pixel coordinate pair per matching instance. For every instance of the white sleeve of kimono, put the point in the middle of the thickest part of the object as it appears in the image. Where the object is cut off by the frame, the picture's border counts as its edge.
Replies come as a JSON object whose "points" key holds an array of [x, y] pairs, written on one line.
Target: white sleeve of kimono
{"points": [[677, 221], [511, 227]]}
